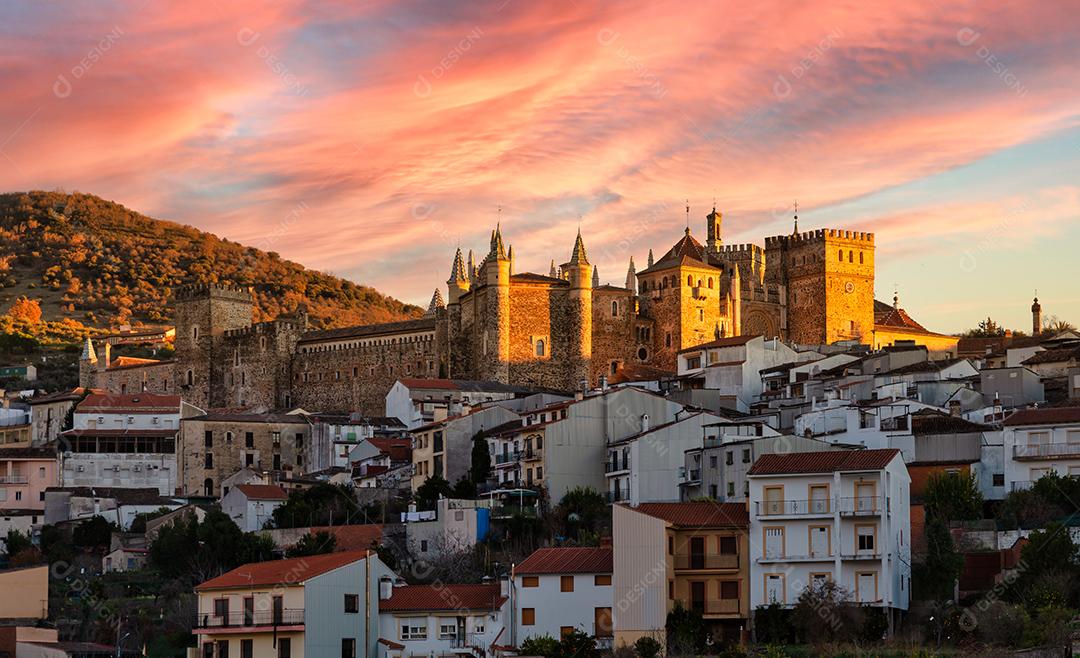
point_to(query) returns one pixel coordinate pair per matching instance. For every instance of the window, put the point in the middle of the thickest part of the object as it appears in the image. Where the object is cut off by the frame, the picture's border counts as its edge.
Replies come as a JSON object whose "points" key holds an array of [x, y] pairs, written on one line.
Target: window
{"points": [[223, 648], [208, 439], [999, 479], [731, 488], [208, 460], [277, 462], [528, 616], [539, 472], [228, 438], [614, 309], [602, 580], [447, 631], [729, 589], [746, 455], [565, 630], [414, 630], [348, 647], [478, 626], [247, 649], [352, 603], [530, 581], [851, 256], [602, 622], [667, 339], [841, 256], [423, 546], [540, 347], [712, 461], [299, 441], [689, 280], [729, 458], [865, 536], [221, 608], [701, 315], [566, 584], [729, 545], [671, 546], [860, 258], [249, 439], [249, 459]]}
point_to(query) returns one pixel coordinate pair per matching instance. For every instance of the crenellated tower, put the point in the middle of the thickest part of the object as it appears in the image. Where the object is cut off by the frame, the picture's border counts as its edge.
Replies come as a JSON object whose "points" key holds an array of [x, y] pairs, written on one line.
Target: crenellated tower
{"points": [[578, 271], [495, 339]]}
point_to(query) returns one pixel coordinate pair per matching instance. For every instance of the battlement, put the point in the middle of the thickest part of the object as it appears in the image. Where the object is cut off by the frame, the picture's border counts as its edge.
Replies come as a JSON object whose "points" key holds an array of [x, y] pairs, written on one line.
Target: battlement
{"points": [[819, 236], [200, 291], [746, 251]]}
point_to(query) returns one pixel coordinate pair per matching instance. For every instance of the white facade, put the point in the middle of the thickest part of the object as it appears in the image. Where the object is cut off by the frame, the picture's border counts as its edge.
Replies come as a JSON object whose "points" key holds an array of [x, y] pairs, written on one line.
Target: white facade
{"points": [[1034, 448], [249, 513], [446, 630], [733, 368], [852, 527], [585, 608]]}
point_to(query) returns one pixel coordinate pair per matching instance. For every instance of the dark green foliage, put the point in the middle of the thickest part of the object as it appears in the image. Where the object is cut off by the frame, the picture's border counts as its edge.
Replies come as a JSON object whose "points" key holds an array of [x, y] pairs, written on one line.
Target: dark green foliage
{"points": [[581, 515], [313, 543], [953, 497], [686, 630], [323, 504], [480, 470], [648, 647], [16, 542], [935, 578], [543, 645], [1052, 497], [96, 257], [825, 613], [428, 493], [95, 531], [194, 551], [138, 524], [464, 488], [55, 545], [772, 623], [575, 643]]}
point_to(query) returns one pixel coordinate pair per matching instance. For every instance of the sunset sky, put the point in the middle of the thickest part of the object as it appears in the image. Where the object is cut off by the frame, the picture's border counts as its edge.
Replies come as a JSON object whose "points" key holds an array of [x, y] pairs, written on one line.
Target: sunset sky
{"points": [[369, 139]]}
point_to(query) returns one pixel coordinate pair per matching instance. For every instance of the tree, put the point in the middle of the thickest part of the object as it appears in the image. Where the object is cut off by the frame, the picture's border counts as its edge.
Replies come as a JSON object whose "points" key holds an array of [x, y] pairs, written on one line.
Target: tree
{"points": [[824, 613], [648, 647], [1052, 324], [1047, 550], [323, 504], [95, 531], [578, 644], [686, 630], [16, 542], [581, 512], [480, 470], [25, 310], [429, 493], [313, 543], [464, 488], [943, 564], [986, 329], [953, 497], [540, 645]]}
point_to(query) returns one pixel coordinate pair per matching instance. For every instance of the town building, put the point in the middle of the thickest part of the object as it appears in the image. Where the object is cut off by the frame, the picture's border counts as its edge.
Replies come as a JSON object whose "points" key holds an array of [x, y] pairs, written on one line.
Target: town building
{"points": [[119, 505], [840, 516], [1038, 441], [318, 605], [25, 372], [726, 373], [334, 436], [441, 620], [216, 445], [695, 555], [560, 590], [16, 429], [48, 413], [251, 506], [444, 449], [453, 527], [892, 325], [419, 402], [25, 474]]}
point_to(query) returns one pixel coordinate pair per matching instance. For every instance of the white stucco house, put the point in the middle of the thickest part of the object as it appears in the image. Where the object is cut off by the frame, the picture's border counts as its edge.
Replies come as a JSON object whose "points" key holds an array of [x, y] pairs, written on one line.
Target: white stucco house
{"points": [[558, 590], [1038, 441], [251, 506]]}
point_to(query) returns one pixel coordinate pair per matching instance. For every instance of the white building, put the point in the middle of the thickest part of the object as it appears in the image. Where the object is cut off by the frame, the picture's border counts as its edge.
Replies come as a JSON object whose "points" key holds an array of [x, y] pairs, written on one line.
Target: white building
{"points": [[729, 369], [417, 402], [558, 590], [841, 516], [452, 527], [441, 620], [124, 441], [1038, 441], [334, 436], [251, 506]]}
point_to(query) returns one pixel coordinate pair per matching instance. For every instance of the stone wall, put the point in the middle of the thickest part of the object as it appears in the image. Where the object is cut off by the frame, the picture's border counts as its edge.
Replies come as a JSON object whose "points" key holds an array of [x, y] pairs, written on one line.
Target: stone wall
{"points": [[270, 437]]}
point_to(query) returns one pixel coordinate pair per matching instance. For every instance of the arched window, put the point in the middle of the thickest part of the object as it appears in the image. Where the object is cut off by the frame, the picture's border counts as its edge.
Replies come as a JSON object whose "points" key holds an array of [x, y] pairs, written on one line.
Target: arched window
{"points": [[614, 367], [851, 256], [208, 487], [614, 309], [841, 255], [701, 314], [860, 258], [710, 283], [540, 348], [667, 340], [190, 378], [690, 281]]}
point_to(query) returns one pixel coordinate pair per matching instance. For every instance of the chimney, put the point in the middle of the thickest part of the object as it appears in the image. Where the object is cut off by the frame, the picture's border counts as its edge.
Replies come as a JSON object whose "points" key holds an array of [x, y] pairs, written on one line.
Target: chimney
{"points": [[504, 585], [644, 422], [605, 541], [386, 588], [603, 383], [106, 356], [954, 408]]}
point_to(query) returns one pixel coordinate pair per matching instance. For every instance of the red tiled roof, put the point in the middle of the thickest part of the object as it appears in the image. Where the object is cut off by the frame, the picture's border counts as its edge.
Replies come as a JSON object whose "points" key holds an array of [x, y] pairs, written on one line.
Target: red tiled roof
{"points": [[262, 491], [1044, 416], [282, 572], [1053, 356], [139, 403], [723, 342], [567, 560], [443, 597], [698, 514], [823, 462], [400, 450], [353, 537]]}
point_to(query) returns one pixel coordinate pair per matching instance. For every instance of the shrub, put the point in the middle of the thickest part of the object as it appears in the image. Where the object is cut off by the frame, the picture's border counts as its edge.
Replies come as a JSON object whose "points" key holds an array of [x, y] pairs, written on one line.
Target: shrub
{"points": [[647, 647]]}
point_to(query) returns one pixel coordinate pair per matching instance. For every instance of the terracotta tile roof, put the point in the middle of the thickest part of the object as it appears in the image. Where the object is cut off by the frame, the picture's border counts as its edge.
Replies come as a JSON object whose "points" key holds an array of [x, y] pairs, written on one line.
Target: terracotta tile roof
{"points": [[733, 341], [353, 537], [567, 560], [316, 336], [399, 450], [443, 597], [687, 251], [1053, 356], [1044, 416], [823, 462], [137, 403], [639, 372], [698, 514], [282, 572], [262, 491]]}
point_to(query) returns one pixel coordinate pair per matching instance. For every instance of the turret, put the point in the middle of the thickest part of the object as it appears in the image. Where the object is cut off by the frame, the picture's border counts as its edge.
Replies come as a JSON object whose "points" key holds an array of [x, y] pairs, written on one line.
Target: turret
{"points": [[458, 283], [435, 305], [496, 349], [88, 363], [713, 227], [596, 277], [650, 258], [579, 337], [631, 277], [554, 274], [1036, 317]]}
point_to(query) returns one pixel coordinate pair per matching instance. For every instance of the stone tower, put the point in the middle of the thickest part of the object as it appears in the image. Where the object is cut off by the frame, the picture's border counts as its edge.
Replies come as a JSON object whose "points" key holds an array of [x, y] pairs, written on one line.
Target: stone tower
{"points": [[88, 363], [714, 226], [579, 313], [495, 340], [203, 314], [458, 284], [1036, 317]]}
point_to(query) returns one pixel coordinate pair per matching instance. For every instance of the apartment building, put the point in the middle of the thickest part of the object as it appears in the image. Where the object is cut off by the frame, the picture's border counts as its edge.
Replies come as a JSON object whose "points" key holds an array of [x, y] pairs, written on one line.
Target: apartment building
{"points": [[1038, 441], [251, 506], [441, 620], [418, 402], [841, 516], [693, 554], [319, 605], [25, 474], [560, 590], [726, 373], [444, 448], [334, 436]]}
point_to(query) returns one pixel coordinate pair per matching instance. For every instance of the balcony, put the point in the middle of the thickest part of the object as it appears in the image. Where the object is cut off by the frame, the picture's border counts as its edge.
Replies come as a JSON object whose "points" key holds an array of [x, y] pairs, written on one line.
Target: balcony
{"points": [[1046, 451], [507, 511], [862, 506], [257, 619], [819, 507], [617, 494], [1022, 485], [616, 466], [685, 562], [788, 559], [12, 480], [531, 454], [715, 607], [507, 458]]}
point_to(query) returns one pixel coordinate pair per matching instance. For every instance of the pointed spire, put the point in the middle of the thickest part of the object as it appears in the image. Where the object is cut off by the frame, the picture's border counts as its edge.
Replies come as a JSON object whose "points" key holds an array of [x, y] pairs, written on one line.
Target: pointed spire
{"points": [[497, 250], [88, 353], [554, 272], [896, 298], [596, 277], [457, 270], [472, 268], [510, 257], [436, 303], [631, 277], [579, 257], [796, 231], [650, 258]]}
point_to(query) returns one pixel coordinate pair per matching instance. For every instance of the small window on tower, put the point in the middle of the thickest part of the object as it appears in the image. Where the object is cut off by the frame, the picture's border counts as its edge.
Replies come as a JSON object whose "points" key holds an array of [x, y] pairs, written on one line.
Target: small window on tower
{"points": [[860, 258], [841, 255], [615, 309], [710, 283], [540, 348], [667, 340], [690, 281]]}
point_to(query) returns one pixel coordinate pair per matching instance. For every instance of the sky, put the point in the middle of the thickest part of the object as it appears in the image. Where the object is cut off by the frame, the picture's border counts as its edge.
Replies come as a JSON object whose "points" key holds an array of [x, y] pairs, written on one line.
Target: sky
{"points": [[369, 139]]}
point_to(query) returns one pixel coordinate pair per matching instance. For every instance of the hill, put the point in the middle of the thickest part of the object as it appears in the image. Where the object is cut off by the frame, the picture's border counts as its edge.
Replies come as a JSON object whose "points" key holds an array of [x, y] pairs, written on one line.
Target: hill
{"points": [[88, 261]]}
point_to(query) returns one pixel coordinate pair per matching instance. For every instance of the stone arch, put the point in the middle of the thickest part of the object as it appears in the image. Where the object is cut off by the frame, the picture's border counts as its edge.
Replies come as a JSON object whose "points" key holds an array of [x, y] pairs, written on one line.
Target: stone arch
{"points": [[760, 322]]}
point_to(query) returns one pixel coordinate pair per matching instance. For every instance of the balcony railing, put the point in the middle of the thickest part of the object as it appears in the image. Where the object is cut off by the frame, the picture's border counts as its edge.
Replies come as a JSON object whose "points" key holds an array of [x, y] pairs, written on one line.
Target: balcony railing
{"points": [[1022, 485], [616, 465], [507, 511], [714, 606], [1046, 450], [508, 457], [255, 619], [818, 507], [618, 494], [862, 505], [687, 561], [13, 479]]}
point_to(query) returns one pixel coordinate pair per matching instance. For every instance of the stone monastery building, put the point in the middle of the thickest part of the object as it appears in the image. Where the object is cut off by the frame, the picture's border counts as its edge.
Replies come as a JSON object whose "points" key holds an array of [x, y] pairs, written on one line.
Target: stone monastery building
{"points": [[552, 330]]}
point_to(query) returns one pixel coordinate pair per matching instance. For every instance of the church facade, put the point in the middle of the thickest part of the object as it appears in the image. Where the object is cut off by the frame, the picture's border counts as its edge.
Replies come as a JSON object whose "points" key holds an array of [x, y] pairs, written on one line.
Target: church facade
{"points": [[557, 330]]}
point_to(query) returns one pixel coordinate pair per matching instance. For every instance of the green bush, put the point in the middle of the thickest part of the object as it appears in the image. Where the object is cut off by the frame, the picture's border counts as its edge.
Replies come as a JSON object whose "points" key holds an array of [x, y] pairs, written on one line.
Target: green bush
{"points": [[648, 647]]}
